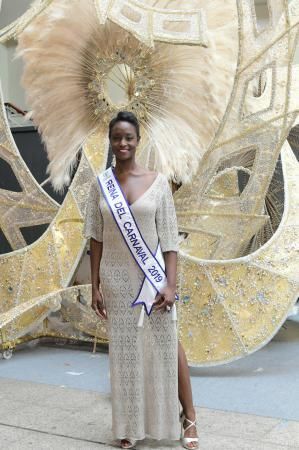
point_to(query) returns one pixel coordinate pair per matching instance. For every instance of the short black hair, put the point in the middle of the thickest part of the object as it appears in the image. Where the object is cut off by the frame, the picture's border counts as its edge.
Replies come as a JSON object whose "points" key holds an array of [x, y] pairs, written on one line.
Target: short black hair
{"points": [[125, 116]]}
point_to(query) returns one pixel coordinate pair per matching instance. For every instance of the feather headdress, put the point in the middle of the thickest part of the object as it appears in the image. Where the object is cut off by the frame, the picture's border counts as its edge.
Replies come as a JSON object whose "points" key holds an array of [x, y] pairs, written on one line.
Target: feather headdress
{"points": [[178, 92]]}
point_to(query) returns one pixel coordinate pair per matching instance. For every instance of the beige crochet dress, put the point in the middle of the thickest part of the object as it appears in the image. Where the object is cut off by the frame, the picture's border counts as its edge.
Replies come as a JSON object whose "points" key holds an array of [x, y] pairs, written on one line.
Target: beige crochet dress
{"points": [[143, 361]]}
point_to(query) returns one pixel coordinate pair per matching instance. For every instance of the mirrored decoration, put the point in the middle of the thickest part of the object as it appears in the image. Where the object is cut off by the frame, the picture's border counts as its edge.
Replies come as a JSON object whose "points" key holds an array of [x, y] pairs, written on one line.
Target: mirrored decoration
{"points": [[262, 15], [259, 92], [119, 85]]}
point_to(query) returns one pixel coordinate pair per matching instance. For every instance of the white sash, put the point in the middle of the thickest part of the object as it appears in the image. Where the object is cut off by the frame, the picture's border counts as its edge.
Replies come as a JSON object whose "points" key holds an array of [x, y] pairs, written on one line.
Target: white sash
{"points": [[153, 266]]}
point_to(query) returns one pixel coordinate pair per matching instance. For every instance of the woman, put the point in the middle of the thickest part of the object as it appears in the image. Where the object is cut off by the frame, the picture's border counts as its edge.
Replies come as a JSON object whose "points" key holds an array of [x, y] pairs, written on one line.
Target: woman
{"points": [[148, 367]]}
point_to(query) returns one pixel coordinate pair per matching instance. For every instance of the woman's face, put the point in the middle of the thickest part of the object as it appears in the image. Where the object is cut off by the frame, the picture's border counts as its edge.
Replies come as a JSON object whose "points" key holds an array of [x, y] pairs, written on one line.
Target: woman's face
{"points": [[123, 140]]}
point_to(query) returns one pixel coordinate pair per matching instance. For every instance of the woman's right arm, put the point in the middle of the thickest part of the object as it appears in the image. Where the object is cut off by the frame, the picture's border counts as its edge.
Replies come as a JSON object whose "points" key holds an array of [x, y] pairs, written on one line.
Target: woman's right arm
{"points": [[97, 304], [93, 230]]}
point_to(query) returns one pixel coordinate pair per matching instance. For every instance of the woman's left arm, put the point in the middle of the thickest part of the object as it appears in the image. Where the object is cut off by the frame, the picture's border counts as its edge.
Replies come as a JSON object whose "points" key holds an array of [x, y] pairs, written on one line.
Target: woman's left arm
{"points": [[167, 295], [170, 259], [167, 230]]}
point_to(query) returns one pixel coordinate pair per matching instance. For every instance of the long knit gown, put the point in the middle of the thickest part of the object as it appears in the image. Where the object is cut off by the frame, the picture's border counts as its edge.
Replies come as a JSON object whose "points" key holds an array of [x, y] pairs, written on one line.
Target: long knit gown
{"points": [[143, 361]]}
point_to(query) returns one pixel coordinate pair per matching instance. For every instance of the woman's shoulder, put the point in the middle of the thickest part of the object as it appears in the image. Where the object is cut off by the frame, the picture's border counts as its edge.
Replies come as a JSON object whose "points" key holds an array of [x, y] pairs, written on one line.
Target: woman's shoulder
{"points": [[160, 180], [163, 179]]}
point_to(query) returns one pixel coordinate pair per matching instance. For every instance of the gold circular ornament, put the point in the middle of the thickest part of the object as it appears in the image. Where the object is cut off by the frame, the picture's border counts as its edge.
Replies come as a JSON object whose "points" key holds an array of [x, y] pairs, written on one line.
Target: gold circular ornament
{"points": [[115, 85]]}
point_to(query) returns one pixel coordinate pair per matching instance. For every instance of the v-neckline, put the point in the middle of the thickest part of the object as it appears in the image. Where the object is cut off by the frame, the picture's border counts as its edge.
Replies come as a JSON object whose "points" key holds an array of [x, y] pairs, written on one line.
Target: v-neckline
{"points": [[141, 196]]}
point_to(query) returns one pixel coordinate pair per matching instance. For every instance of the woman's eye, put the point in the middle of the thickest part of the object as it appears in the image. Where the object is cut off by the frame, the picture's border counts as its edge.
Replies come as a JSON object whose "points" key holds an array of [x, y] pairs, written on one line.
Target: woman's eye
{"points": [[119, 138]]}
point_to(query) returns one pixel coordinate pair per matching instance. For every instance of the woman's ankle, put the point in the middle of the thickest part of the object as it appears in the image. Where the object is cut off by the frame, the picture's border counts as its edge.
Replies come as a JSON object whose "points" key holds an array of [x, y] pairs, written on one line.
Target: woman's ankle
{"points": [[190, 413]]}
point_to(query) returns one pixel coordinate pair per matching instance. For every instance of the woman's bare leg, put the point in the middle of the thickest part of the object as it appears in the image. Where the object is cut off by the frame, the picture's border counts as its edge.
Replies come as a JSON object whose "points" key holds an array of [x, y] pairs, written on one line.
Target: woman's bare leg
{"points": [[185, 394]]}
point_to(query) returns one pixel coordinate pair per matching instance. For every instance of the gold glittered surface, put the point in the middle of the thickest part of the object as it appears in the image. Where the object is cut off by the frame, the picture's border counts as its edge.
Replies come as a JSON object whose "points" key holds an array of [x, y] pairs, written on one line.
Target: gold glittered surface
{"points": [[40, 273], [32, 277], [256, 124], [32, 205], [11, 272], [76, 309], [25, 317], [33, 319], [230, 309], [96, 151], [230, 305], [66, 234]]}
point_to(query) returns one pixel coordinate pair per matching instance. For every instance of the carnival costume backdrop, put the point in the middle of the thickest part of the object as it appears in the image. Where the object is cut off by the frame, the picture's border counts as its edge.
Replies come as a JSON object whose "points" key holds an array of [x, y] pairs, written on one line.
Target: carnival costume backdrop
{"points": [[214, 95]]}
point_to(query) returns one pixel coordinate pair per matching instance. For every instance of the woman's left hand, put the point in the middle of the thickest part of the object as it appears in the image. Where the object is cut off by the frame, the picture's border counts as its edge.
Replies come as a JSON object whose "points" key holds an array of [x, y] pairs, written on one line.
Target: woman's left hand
{"points": [[165, 299]]}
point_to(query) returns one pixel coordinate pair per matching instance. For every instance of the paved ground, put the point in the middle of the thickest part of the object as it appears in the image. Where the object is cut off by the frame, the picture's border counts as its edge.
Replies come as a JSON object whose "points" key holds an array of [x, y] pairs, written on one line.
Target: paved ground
{"points": [[58, 398], [39, 416], [265, 383]]}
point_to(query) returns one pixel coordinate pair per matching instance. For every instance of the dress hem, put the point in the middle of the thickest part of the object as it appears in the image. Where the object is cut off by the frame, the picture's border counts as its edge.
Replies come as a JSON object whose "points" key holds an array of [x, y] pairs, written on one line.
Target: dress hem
{"points": [[149, 436]]}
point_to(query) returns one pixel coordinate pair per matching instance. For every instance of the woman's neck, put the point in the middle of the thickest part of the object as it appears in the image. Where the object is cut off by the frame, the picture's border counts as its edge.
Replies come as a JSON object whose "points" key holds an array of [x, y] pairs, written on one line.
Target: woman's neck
{"points": [[125, 166]]}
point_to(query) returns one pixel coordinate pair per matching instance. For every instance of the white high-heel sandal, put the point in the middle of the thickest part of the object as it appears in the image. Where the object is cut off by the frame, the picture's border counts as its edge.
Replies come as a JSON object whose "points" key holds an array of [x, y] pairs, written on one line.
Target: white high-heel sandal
{"points": [[188, 440], [130, 443]]}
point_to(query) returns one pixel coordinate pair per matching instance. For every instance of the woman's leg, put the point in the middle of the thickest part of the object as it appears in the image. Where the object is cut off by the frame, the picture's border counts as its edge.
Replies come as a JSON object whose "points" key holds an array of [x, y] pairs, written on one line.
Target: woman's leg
{"points": [[185, 393]]}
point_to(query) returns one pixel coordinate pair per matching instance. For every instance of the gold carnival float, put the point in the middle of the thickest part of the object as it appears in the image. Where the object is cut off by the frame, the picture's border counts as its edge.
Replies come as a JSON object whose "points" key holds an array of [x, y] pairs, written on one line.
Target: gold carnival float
{"points": [[215, 96]]}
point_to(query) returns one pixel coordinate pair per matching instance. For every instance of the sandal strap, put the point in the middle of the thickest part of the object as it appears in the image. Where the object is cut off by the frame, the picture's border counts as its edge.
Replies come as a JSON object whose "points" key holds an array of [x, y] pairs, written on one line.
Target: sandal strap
{"points": [[188, 440], [191, 424]]}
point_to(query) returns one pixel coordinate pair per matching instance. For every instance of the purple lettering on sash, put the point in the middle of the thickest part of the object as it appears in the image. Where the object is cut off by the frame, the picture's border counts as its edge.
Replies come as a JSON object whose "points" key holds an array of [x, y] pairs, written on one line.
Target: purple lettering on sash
{"points": [[112, 190], [120, 209]]}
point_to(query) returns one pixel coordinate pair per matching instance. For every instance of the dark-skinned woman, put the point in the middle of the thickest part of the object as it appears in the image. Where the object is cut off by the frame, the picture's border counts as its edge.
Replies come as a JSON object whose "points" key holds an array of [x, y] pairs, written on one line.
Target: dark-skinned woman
{"points": [[131, 223]]}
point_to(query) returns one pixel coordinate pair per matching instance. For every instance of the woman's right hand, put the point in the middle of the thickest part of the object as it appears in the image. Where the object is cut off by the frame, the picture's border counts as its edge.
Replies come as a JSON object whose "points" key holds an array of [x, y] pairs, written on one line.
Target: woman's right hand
{"points": [[97, 304]]}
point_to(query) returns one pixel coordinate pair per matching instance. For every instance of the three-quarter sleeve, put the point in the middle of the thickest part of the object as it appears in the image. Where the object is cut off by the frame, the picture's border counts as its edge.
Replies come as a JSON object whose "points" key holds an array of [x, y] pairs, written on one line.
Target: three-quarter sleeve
{"points": [[166, 220], [93, 224]]}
